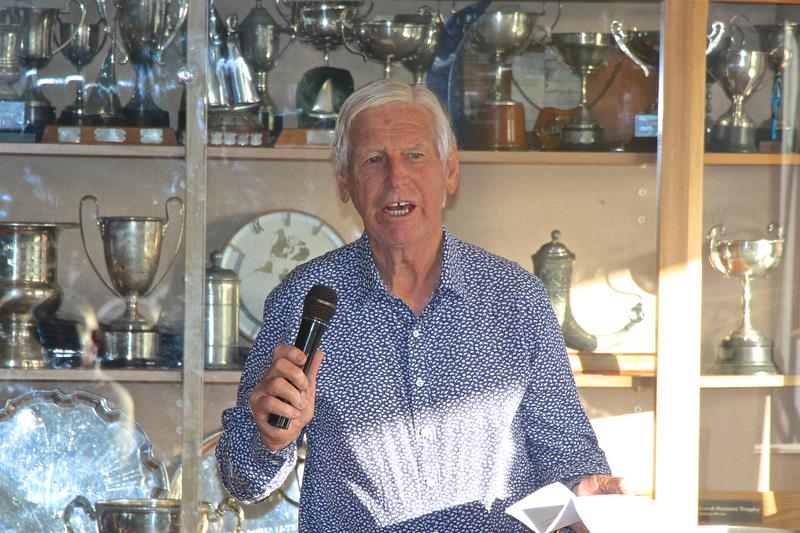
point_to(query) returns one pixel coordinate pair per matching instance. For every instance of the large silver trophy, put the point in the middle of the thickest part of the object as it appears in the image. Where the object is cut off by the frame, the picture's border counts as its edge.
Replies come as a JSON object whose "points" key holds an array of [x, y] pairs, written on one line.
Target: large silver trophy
{"points": [[12, 106], [501, 35], [28, 289], [386, 40], [745, 350], [147, 28], [739, 72], [584, 53], [37, 49], [780, 43], [421, 62], [132, 247]]}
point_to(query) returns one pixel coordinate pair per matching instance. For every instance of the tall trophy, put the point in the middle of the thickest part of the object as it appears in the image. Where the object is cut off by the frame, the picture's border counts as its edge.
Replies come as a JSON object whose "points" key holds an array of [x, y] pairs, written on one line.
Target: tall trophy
{"points": [[584, 53], [386, 40], [780, 43], [147, 28], [499, 123], [745, 350], [739, 72], [132, 247], [421, 62], [12, 105], [321, 90], [83, 41], [28, 289], [259, 37], [37, 49], [719, 40], [643, 48]]}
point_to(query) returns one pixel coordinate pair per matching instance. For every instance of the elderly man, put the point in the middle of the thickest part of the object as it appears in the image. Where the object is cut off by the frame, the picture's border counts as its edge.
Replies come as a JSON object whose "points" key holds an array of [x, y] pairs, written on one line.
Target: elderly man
{"points": [[444, 393]]}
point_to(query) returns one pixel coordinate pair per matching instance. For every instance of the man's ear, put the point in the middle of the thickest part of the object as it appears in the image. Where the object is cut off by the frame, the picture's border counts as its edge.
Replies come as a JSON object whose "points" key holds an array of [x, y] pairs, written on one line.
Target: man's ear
{"points": [[341, 182], [452, 170]]}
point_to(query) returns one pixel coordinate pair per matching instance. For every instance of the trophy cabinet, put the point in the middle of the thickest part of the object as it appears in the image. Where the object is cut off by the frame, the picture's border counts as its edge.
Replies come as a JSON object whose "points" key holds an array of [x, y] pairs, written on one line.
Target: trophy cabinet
{"points": [[664, 141]]}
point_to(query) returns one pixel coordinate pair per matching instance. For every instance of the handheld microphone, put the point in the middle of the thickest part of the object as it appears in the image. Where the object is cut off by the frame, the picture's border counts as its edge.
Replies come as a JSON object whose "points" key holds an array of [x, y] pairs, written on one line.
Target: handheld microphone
{"points": [[318, 308]]}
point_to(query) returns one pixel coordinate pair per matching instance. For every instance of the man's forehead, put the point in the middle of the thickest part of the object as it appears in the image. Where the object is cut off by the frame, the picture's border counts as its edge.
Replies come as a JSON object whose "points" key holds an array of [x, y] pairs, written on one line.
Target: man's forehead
{"points": [[411, 122]]}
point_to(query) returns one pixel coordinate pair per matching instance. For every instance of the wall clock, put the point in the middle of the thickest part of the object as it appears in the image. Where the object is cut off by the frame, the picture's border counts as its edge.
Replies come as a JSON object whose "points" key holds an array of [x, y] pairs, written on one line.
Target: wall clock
{"points": [[264, 250]]}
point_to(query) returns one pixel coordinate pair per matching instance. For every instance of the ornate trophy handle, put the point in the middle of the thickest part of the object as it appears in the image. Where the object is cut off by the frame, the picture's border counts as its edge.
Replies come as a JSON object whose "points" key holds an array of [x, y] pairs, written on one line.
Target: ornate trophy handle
{"points": [[618, 31], [182, 212], [169, 36], [547, 31], [231, 505], [292, 28], [715, 37], [83, 503], [714, 236], [71, 38], [86, 198], [738, 29], [776, 229], [349, 26]]}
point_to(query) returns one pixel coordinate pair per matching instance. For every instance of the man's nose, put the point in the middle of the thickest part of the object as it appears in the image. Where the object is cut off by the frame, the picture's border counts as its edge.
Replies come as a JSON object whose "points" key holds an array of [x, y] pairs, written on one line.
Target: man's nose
{"points": [[397, 170]]}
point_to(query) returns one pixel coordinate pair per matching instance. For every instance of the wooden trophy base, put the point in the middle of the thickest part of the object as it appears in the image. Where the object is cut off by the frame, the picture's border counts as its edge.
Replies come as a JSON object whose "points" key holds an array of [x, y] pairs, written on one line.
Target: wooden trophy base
{"points": [[500, 126], [109, 135]]}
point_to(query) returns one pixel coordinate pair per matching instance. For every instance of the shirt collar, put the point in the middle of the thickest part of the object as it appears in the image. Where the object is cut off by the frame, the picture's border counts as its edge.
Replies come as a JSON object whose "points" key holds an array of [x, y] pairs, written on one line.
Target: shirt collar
{"points": [[451, 279]]}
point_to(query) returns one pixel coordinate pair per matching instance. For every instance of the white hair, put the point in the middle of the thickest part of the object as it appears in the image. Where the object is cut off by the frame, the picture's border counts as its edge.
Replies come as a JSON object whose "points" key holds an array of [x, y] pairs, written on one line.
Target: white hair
{"points": [[389, 91]]}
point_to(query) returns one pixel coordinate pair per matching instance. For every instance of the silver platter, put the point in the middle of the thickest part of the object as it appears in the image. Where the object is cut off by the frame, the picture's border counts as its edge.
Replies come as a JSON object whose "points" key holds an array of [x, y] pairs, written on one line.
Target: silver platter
{"points": [[57, 446]]}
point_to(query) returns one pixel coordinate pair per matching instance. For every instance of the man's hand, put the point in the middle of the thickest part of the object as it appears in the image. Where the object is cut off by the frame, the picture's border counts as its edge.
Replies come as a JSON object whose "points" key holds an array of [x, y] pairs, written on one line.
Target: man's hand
{"points": [[285, 380], [597, 484]]}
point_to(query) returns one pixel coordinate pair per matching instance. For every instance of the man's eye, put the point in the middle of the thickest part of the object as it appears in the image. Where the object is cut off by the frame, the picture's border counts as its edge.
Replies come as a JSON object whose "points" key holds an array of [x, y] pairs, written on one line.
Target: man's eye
{"points": [[415, 155], [374, 159]]}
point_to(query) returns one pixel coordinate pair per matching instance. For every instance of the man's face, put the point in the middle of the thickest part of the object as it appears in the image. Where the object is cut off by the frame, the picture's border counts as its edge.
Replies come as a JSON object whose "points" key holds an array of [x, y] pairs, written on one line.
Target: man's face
{"points": [[396, 177]]}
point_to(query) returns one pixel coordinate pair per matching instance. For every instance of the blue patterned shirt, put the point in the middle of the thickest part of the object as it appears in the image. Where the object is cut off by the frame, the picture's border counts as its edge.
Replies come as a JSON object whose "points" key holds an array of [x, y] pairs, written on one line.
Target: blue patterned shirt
{"points": [[424, 423]]}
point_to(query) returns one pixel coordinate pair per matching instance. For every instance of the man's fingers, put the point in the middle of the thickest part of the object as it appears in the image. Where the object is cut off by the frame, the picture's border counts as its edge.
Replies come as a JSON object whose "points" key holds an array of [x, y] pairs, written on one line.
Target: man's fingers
{"points": [[313, 369]]}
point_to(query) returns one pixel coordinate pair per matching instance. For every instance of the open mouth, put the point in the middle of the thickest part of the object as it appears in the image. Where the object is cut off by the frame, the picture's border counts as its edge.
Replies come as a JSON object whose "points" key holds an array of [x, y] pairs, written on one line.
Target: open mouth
{"points": [[398, 209]]}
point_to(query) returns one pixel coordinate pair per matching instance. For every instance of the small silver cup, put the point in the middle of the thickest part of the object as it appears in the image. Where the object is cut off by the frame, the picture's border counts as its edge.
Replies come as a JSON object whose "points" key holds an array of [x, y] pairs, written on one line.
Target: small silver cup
{"points": [[745, 350], [81, 43], [385, 41], [132, 247]]}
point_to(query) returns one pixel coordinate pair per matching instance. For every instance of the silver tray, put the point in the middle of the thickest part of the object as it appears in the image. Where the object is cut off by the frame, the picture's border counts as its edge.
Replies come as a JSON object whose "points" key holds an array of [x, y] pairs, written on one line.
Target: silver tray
{"points": [[278, 513], [56, 446]]}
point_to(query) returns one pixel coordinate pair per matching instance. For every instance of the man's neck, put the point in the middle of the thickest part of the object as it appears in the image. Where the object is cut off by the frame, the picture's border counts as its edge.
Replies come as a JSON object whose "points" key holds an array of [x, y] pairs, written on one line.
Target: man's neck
{"points": [[411, 275]]}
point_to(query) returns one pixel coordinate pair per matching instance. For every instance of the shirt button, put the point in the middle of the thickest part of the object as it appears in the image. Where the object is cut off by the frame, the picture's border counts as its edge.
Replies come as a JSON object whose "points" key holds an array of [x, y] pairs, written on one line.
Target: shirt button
{"points": [[415, 334], [420, 382]]}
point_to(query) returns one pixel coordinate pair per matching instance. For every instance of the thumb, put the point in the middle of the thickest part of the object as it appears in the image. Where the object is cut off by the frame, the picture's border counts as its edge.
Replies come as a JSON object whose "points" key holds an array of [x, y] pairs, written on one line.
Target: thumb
{"points": [[312, 371]]}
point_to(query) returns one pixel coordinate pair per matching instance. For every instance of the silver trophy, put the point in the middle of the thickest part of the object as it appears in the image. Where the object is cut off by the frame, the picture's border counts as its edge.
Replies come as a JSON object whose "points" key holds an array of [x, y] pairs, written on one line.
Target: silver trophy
{"points": [[719, 40], [501, 35], [82, 42], [38, 47], [420, 63], [132, 247], [28, 289], [584, 53], [745, 350], [386, 40], [780, 42], [739, 72], [147, 28], [12, 106]]}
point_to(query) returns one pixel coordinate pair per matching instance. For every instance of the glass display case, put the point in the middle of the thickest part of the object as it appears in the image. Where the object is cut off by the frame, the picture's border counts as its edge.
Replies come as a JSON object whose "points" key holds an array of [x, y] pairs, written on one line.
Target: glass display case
{"points": [[600, 143]]}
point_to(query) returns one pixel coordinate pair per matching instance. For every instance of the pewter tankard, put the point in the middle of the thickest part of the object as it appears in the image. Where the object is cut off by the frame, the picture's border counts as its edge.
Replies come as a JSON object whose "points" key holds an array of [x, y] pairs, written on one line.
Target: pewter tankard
{"points": [[132, 248], [28, 289]]}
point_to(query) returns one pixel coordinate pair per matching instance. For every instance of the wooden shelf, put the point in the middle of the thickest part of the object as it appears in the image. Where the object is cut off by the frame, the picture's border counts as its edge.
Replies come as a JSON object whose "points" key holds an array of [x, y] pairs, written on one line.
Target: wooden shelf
{"points": [[743, 382], [93, 150], [719, 158], [231, 377]]}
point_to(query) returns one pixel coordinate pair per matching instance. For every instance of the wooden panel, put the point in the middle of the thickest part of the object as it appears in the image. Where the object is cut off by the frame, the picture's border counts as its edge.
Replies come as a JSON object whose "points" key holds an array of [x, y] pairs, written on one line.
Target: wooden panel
{"points": [[680, 238]]}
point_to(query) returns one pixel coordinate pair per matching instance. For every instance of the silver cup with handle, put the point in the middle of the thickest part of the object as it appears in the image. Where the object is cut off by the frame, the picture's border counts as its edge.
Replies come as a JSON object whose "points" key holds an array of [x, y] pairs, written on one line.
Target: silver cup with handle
{"points": [[132, 249]]}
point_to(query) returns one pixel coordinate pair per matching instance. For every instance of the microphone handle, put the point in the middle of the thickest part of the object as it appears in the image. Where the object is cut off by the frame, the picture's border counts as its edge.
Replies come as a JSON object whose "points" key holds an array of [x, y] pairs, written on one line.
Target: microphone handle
{"points": [[308, 339]]}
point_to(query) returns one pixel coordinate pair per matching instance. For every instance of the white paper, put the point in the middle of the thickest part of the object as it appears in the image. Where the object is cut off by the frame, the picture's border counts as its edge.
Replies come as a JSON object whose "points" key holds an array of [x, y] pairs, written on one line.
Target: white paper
{"points": [[555, 506]]}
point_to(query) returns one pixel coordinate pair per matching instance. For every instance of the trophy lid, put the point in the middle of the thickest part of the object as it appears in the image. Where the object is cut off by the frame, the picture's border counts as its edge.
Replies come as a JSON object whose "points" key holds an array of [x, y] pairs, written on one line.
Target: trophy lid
{"points": [[257, 17], [553, 249], [216, 274]]}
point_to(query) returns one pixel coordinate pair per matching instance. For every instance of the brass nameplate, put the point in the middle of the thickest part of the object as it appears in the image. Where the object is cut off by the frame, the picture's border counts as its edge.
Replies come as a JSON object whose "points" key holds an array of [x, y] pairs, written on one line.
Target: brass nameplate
{"points": [[109, 135]]}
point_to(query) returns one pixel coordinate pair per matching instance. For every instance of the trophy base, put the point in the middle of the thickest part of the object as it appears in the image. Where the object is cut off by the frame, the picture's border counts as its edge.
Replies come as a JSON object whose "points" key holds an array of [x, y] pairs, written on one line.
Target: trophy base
{"points": [[130, 349], [75, 117], [145, 117], [735, 139], [38, 115], [19, 346], [109, 135], [500, 126], [12, 115], [783, 140], [230, 126], [739, 356], [582, 137]]}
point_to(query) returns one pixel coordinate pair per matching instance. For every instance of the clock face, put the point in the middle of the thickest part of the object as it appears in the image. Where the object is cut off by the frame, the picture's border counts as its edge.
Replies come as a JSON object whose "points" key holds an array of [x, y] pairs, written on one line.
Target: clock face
{"points": [[265, 250]]}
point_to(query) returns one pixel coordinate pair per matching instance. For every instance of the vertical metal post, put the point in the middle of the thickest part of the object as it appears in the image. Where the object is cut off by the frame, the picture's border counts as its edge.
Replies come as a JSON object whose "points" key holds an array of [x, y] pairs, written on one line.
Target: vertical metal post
{"points": [[193, 340]]}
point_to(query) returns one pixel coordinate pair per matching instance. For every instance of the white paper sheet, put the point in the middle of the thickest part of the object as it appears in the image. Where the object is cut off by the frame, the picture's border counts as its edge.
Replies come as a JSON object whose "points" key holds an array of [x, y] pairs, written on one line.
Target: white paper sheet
{"points": [[555, 506]]}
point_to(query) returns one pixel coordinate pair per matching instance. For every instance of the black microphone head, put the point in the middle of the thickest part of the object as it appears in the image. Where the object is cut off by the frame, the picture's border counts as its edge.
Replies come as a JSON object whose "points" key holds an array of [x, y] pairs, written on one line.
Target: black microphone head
{"points": [[320, 303]]}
